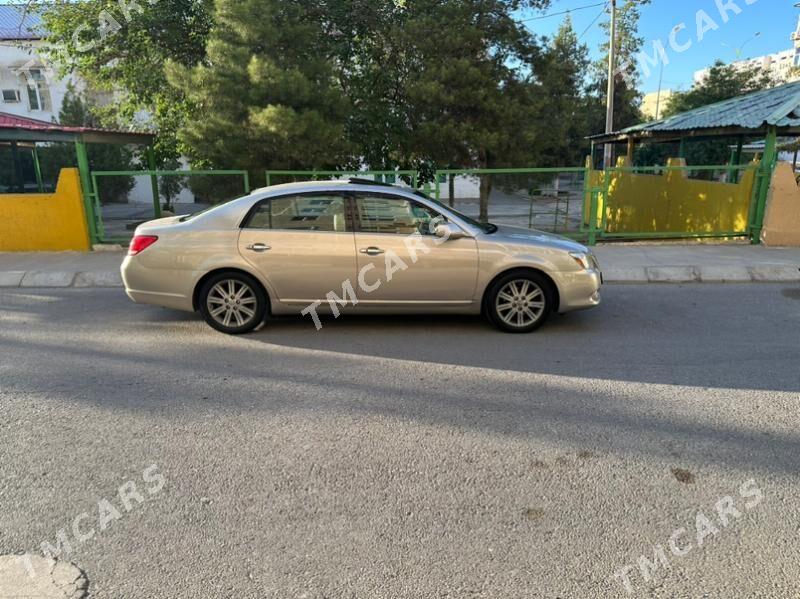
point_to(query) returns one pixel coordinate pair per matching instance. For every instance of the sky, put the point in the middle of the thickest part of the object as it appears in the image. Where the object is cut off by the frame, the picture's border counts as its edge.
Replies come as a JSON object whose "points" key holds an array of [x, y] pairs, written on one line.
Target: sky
{"points": [[774, 19]]}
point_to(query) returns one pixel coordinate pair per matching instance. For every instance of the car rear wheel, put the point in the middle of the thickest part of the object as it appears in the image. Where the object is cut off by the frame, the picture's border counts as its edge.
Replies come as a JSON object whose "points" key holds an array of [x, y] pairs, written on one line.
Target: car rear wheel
{"points": [[233, 303], [520, 302]]}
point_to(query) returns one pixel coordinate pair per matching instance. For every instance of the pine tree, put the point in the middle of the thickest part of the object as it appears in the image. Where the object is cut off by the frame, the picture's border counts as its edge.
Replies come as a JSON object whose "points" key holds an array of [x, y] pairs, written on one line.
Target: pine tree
{"points": [[266, 96], [562, 75]]}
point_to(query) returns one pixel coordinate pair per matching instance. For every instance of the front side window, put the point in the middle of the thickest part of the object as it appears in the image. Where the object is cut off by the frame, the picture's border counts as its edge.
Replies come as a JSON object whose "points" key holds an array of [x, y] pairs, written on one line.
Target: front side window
{"points": [[300, 213], [377, 214]]}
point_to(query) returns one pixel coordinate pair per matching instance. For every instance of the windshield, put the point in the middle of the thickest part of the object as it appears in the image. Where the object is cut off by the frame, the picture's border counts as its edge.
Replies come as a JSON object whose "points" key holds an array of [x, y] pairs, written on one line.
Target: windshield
{"points": [[485, 227]]}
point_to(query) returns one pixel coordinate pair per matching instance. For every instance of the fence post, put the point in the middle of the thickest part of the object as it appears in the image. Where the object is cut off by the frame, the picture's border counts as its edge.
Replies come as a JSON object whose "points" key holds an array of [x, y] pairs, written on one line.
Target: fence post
{"points": [[151, 164], [766, 169], [247, 182], [83, 170], [593, 202], [37, 167]]}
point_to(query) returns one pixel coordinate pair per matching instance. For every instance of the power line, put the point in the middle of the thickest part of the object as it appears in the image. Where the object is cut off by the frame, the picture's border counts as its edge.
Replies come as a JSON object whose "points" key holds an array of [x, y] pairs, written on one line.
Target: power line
{"points": [[563, 12], [585, 31]]}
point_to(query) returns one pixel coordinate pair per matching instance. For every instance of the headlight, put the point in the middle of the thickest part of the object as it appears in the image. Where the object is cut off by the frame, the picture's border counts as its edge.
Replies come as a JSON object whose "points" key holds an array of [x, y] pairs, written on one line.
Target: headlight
{"points": [[583, 259]]}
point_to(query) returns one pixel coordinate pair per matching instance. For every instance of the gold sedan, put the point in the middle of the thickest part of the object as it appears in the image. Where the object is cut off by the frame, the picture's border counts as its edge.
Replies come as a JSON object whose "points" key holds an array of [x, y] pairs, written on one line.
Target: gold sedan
{"points": [[359, 247]]}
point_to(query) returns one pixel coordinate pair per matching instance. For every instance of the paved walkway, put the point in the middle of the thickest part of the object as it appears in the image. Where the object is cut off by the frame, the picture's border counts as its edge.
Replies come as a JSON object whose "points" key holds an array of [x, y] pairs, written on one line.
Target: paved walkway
{"points": [[621, 263]]}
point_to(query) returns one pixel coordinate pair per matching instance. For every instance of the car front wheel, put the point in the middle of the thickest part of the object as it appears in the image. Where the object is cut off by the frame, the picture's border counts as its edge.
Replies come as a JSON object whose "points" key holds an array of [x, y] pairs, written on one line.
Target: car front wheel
{"points": [[520, 302], [233, 303]]}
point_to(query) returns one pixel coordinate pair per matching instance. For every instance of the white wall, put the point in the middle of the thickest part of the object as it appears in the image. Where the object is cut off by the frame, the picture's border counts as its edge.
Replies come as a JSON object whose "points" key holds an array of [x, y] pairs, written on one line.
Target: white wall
{"points": [[18, 56]]}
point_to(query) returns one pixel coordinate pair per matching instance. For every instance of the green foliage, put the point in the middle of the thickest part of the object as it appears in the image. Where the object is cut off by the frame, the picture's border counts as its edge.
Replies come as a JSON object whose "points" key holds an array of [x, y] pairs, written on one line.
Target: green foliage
{"points": [[563, 90], [267, 96], [125, 53], [627, 97], [722, 83], [77, 111]]}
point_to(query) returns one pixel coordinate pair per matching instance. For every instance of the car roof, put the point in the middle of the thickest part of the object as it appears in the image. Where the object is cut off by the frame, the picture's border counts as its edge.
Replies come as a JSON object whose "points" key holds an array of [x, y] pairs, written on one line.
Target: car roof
{"points": [[353, 183]]}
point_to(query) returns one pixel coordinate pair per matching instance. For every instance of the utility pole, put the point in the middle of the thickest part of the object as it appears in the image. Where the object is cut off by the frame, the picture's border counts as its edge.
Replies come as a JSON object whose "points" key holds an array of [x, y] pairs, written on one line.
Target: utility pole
{"points": [[612, 64]]}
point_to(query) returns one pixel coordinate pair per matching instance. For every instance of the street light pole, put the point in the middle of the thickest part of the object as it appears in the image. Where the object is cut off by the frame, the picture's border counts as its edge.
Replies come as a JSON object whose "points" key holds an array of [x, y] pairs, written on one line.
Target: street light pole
{"points": [[612, 63]]}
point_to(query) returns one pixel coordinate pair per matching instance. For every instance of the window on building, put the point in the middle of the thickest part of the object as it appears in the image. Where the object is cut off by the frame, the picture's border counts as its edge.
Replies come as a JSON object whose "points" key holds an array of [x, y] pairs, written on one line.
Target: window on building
{"points": [[10, 96], [38, 93]]}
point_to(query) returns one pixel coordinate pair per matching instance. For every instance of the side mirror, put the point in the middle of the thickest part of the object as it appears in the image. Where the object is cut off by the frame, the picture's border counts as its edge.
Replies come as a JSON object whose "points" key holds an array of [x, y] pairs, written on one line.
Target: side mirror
{"points": [[448, 231]]}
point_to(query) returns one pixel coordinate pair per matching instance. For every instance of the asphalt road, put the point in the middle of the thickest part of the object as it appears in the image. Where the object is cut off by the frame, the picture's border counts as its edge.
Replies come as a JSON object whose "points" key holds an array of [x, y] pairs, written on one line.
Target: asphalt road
{"points": [[408, 457]]}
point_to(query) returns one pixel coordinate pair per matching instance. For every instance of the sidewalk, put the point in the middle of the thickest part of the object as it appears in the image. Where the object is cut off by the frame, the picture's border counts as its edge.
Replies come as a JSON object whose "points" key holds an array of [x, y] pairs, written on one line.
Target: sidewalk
{"points": [[621, 264]]}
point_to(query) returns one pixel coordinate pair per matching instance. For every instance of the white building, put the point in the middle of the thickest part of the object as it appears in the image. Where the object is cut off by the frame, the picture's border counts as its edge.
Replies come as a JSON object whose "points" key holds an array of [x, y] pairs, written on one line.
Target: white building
{"points": [[784, 66], [27, 87]]}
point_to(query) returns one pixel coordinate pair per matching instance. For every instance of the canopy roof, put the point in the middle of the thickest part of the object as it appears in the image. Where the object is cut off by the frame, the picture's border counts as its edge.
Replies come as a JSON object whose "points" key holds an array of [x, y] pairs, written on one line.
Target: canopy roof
{"points": [[18, 128], [751, 114]]}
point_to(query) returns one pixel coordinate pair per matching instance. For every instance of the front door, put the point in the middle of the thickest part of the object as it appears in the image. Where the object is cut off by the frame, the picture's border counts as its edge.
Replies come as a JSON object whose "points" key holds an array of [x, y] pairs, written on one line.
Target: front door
{"points": [[301, 245], [401, 261]]}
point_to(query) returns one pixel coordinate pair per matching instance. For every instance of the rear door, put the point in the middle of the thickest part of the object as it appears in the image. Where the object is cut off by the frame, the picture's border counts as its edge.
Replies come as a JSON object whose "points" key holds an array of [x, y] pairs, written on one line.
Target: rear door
{"points": [[301, 244]]}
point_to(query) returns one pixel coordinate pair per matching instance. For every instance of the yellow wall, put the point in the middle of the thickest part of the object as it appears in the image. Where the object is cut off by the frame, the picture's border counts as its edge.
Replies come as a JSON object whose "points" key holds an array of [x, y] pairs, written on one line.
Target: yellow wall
{"points": [[672, 203], [45, 221], [782, 218]]}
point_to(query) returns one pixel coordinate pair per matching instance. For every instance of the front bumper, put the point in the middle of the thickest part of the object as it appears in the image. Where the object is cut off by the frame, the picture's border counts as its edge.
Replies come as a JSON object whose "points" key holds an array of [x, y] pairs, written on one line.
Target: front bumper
{"points": [[579, 290]]}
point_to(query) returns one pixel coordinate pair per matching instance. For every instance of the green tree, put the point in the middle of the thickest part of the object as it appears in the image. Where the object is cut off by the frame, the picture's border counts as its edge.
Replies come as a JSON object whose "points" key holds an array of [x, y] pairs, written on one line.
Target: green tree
{"points": [[627, 96], [463, 94], [77, 111], [267, 96], [562, 75], [121, 47], [722, 83]]}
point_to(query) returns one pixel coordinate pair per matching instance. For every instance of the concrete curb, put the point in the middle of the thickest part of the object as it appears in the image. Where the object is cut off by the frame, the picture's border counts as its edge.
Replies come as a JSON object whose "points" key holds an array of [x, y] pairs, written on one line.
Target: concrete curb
{"points": [[616, 276]]}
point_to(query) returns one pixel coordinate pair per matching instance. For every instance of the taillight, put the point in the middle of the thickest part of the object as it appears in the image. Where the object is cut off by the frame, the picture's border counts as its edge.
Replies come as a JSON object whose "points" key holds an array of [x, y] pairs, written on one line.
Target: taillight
{"points": [[140, 243]]}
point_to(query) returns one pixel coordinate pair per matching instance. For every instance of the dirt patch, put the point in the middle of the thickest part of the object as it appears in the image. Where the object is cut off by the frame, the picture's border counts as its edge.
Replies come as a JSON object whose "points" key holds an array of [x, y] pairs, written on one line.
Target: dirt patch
{"points": [[533, 513], [683, 476], [791, 293]]}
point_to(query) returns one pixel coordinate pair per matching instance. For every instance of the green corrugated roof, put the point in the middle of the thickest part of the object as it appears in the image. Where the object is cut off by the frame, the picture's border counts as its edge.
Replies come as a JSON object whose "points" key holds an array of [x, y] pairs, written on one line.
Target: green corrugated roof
{"points": [[779, 106]]}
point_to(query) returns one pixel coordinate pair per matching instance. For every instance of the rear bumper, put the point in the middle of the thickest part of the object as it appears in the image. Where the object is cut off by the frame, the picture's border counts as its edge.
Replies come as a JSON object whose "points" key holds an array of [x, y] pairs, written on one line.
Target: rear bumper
{"points": [[160, 287], [580, 290]]}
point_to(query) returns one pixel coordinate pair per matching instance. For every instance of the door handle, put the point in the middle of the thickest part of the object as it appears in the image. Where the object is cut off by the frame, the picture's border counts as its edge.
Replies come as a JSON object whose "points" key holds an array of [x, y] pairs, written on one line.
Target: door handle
{"points": [[372, 251], [258, 247]]}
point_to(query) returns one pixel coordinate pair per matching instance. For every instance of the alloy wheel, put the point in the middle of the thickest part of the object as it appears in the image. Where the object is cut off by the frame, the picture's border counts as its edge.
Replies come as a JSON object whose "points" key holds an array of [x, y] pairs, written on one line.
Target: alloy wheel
{"points": [[232, 303], [520, 303]]}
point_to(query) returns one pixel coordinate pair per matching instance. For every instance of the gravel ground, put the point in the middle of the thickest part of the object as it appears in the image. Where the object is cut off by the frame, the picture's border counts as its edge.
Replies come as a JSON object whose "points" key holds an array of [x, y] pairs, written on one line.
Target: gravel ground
{"points": [[408, 457]]}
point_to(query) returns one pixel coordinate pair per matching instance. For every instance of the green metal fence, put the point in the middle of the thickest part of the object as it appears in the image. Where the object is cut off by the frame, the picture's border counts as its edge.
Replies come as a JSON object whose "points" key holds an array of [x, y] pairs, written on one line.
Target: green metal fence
{"points": [[115, 222], [574, 202]]}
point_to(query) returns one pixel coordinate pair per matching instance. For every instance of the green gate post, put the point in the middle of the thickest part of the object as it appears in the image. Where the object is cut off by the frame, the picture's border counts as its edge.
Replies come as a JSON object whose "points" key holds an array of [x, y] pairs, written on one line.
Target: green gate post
{"points": [[766, 169], [594, 201], [37, 167], [246, 176], [83, 170], [737, 159], [151, 164]]}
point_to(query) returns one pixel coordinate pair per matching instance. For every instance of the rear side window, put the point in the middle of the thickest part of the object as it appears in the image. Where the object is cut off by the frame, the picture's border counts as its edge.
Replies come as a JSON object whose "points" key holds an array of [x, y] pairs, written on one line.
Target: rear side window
{"points": [[300, 213]]}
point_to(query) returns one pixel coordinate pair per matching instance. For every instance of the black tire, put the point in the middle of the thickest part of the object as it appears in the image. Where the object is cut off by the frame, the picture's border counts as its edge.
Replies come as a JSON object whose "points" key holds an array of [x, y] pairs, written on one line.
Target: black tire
{"points": [[530, 310], [240, 298]]}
